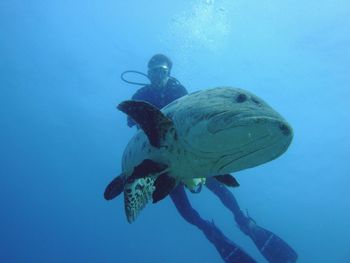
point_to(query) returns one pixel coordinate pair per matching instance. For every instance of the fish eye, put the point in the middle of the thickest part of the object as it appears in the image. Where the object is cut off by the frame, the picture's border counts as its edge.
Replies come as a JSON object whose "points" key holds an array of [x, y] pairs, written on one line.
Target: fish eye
{"points": [[241, 98]]}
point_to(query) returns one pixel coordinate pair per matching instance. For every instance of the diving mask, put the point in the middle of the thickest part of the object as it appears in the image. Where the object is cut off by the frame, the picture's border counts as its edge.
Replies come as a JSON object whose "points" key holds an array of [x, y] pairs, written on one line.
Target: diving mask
{"points": [[159, 72]]}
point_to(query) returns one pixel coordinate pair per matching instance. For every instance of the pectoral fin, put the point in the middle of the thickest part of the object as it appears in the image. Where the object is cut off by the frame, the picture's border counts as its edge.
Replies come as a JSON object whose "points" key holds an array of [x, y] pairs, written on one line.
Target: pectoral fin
{"points": [[145, 169], [164, 184], [152, 121], [115, 187], [227, 180]]}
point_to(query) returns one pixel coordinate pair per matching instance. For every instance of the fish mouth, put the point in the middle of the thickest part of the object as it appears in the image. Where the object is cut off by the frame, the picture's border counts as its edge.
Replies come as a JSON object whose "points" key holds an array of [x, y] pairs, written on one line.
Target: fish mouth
{"points": [[279, 124], [227, 119], [241, 142], [255, 140], [241, 160]]}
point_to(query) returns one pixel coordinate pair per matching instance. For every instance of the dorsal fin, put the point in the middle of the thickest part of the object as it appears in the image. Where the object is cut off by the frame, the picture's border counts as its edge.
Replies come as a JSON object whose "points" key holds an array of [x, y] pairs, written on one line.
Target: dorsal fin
{"points": [[151, 120]]}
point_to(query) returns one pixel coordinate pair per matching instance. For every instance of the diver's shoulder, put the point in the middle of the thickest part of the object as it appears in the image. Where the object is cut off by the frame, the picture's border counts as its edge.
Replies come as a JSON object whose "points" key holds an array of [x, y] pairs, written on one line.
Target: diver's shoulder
{"points": [[176, 84], [142, 91]]}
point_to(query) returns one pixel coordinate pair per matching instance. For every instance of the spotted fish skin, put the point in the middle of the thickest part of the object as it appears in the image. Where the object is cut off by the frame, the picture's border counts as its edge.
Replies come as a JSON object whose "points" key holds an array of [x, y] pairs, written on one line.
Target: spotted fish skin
{"points": [[213, 132]]}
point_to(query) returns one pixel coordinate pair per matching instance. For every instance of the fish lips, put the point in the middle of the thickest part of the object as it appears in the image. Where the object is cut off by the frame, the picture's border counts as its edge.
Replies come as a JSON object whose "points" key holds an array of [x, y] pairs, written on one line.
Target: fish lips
{"points": [[253, 132], [251, 142]]}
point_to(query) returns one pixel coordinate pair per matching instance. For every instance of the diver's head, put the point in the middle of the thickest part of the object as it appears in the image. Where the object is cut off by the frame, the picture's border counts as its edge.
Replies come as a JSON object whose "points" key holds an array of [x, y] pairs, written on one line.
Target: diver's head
{"points": [[159, 67]]}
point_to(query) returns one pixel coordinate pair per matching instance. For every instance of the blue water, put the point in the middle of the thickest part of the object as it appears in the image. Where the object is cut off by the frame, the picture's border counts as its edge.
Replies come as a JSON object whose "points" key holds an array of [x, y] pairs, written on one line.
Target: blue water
{"points": [[62, 138]]}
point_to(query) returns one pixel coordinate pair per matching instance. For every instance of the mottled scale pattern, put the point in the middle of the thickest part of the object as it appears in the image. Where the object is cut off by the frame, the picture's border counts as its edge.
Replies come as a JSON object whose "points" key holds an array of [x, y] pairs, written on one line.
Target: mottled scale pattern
{"points": [[137, 195]]}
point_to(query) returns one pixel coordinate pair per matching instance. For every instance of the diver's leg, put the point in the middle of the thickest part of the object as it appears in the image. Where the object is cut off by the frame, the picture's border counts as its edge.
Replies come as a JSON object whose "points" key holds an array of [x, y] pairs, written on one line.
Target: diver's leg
{"points": [[228, 250], [272, 247], [183, 206]]}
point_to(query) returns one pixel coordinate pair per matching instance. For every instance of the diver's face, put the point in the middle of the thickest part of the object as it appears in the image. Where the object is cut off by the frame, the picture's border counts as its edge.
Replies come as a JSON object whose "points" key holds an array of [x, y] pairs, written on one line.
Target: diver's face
{"points": [[159, 75]]}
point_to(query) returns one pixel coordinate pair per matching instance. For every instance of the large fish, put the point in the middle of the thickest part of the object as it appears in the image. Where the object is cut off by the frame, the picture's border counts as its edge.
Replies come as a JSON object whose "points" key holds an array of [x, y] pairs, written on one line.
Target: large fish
{"points": [[209, 133]]}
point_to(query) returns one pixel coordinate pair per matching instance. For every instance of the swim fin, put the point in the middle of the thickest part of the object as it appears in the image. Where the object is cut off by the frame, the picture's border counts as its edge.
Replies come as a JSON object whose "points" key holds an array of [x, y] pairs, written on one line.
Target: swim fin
{"points": [[272, 247], [228, 250]]}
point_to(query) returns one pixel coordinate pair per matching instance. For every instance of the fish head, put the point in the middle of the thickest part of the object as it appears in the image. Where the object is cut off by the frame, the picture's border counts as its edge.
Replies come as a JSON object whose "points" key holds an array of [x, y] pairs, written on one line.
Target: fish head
{"points": [[239, 130]]}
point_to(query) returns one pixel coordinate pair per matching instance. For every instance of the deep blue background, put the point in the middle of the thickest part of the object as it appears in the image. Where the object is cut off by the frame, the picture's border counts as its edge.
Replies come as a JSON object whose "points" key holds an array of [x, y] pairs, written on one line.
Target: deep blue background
{"points": [[62, 138]]}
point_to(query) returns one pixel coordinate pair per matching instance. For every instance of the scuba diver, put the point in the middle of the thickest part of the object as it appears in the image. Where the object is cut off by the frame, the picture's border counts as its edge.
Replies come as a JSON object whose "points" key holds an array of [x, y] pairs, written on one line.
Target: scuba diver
{"points": [[162, 90]]}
